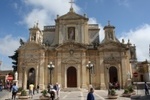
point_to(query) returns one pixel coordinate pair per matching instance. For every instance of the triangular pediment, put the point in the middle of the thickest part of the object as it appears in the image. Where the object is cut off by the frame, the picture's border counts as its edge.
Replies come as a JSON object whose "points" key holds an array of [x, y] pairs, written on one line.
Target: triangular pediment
{"points": [[71, 15], [71, 46]]}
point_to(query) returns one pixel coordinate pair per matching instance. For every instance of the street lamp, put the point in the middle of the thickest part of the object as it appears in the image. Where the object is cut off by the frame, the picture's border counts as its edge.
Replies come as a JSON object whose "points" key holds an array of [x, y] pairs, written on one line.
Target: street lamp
{"points": [[89, 66], [50, 67]]}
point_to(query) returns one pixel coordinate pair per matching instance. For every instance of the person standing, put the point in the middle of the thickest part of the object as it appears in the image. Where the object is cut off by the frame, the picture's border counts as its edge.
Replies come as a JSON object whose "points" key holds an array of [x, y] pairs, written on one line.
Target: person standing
{"points": [[1, 86], [57, 89], [90, 95], [33, 90], [10, 86], [146, 89], [38, 87], [14, 90], [31, 87]]}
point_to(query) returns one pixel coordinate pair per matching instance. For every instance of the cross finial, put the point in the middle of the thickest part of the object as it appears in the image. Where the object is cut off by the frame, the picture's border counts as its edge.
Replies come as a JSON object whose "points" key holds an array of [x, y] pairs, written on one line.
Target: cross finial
{"points": [[37, 23], [71, 2]]}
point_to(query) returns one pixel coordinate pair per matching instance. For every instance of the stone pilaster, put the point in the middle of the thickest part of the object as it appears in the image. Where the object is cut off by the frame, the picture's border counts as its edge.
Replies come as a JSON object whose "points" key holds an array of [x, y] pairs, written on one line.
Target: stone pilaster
{"points": [[102, 74], [83, 67], [59, 73], [41, 76]]}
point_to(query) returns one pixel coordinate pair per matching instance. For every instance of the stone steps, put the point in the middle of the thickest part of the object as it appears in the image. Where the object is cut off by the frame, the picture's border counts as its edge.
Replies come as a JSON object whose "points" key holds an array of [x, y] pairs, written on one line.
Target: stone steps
{"points": [[70, 89]]}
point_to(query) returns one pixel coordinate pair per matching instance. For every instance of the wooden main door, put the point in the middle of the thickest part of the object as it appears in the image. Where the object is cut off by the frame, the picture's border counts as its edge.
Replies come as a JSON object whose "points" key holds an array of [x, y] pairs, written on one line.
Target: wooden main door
{"points": [[113, 75], [71, 77], [31, 77]]}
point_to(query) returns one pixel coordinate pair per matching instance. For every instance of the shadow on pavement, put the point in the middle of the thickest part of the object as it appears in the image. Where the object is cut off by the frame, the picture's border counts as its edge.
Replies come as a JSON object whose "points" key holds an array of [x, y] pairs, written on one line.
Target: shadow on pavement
{"points": [[138, 97]]}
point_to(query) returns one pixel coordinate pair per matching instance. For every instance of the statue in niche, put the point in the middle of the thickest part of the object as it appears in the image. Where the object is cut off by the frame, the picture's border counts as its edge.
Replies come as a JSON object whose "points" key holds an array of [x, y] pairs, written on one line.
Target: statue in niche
{"points": [[71, 33], [21, 42], [132, 52], [110, 35], [33, 38], [16, 75]]}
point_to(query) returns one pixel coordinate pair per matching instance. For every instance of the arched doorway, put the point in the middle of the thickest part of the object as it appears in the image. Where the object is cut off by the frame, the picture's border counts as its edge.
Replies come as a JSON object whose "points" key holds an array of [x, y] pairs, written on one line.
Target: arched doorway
{"points": [[31, 77], [71, 77], [113, 75]]}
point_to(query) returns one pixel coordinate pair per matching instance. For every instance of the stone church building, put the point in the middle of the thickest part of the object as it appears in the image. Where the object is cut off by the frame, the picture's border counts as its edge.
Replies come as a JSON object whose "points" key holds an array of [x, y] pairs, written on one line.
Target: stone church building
{"points": [[78, 58]]}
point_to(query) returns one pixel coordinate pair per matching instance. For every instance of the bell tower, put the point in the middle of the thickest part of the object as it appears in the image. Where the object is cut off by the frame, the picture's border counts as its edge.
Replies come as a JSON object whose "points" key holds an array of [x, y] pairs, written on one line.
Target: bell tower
{"points": [[36, 34], [109, 32]]}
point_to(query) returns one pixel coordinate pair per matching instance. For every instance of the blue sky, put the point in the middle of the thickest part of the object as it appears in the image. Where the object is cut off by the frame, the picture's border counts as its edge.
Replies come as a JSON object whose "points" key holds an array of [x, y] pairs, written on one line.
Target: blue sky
{"points": [[130, 17]]}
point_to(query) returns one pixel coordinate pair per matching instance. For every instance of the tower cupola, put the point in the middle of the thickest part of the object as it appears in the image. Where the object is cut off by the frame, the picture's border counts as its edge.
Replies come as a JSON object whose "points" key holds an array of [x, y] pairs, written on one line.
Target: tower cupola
{"points": [[109, 31], [36, 34]]}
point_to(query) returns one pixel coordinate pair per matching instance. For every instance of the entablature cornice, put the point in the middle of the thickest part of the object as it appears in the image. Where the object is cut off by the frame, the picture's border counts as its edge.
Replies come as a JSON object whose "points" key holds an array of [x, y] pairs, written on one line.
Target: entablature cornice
{"points": [[112, 60], [71, 60]]}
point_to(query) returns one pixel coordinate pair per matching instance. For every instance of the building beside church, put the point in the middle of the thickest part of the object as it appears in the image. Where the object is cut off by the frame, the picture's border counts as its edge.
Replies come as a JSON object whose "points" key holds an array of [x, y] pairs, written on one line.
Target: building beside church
{"points": [[72, 45]]}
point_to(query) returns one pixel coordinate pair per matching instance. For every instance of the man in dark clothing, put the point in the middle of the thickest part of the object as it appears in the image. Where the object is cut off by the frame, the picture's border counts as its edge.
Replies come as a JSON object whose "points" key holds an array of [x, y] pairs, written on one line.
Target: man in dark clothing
{"points": [[90, 95], [146, 89], [14, 90], [38, 87]]}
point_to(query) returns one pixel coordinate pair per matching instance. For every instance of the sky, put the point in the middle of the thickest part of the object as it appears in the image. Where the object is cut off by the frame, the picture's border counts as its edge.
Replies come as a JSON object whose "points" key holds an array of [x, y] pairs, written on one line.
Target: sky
{"points": [[131, 19]]}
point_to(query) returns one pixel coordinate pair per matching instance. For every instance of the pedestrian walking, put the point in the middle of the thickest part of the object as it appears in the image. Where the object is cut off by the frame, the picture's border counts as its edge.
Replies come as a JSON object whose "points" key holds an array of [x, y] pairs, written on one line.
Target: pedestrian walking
{"points": [[37, 88], [57, 89], [31, 88], [11, 86], [52, 92], [1, 86], [49, 87], [90, 95], [146, 89], [14, 90]]}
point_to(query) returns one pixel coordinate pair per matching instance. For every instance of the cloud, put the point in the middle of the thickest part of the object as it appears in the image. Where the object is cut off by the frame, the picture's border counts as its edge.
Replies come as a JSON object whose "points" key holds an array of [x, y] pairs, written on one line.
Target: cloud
{"points": [[15, 5], [93, 20], [8, 45], [45, 11], [141, 38], [99, 1], [123, 2]]}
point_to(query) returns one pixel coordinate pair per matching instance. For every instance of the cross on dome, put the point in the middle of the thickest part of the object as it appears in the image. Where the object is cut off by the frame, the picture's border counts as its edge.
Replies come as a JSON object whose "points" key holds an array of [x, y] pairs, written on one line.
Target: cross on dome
{"points": [[71, 2]]}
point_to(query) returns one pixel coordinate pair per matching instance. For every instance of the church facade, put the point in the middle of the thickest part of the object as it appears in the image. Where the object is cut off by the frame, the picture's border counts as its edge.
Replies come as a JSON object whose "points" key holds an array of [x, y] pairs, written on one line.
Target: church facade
{"points": [[72, 48]]}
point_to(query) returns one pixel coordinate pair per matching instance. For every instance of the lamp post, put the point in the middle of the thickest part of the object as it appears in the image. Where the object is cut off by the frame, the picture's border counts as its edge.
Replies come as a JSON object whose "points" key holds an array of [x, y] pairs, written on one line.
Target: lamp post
{"points": [[50, 67], [89, 66]]}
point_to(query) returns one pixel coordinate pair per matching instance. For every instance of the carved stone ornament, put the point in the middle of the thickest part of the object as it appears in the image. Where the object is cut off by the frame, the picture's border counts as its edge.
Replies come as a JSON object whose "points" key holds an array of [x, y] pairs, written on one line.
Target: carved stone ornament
{"points": [[112, 60], [71, 60], [71, 51]]}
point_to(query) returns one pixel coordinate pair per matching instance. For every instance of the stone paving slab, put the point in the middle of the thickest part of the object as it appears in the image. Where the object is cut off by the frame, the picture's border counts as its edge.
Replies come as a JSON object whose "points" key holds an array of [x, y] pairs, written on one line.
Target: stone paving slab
{"points": [[82, 95]]}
